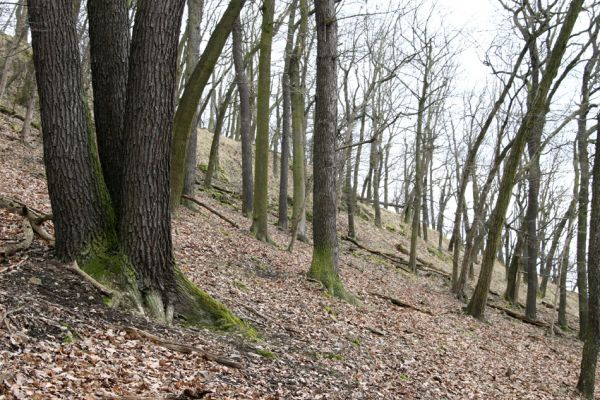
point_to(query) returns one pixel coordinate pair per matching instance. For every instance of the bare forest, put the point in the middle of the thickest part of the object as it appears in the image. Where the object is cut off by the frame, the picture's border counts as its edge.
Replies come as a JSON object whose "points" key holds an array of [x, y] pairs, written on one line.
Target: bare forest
{"points": [[297, 199]]}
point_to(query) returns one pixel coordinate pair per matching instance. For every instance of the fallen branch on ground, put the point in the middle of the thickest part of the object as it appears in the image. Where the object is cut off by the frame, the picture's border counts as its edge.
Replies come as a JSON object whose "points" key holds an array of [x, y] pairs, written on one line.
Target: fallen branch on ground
{"points": [[212, 210], [401, 303], [401, 263], [521, 317], [179, 347]]}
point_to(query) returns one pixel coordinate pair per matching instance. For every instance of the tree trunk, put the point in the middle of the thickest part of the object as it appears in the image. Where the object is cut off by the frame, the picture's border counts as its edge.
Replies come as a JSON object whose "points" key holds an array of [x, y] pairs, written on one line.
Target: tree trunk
{"points": [[188, 103], [109, 53], [589, 358], [261, 169], [412, 262], [478, 302], [145, 226], [77, 202], [282, 220], [553, 247], [192, 55], [324, 266], [245, 118], [213, 158]]}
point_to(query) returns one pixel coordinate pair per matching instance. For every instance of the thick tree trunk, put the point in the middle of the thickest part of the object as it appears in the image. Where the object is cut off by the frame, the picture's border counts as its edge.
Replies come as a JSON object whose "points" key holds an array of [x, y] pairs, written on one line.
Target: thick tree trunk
{"points": [[109, 52], [245, 118], [74, 184], [261, 169], [145, 226], [324, 266]]}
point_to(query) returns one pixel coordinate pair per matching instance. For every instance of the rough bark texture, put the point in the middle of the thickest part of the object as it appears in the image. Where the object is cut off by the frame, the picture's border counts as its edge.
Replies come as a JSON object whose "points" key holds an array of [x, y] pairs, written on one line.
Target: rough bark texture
{"points": [[73, 186], [261, 170], [476, 306], [245, 118], [324, 266], [589, 359], [145, 226], [109, 51]]}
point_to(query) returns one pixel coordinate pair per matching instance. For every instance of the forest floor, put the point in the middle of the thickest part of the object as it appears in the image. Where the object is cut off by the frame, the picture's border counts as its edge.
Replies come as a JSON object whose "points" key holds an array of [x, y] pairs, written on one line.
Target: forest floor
{"points": [[59, 340]]}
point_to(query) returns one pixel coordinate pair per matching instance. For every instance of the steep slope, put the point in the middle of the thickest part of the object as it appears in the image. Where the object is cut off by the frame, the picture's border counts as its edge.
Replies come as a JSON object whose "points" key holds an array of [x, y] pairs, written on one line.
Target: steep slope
{"points": [[58, 339]]}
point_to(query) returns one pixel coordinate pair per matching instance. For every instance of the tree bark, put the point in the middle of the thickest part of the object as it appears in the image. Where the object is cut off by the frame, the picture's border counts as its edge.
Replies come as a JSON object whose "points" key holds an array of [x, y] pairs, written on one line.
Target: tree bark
{"points": [[109, 53], [145, 226], [589, 358], [245, 118], [324, 266], [261, 168], [74, 185]]}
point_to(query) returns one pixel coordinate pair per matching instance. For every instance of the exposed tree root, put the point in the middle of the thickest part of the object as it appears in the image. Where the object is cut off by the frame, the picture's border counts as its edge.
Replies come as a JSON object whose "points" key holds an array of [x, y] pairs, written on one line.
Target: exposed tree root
{"points": [[101, 288], [212, 210], [31, 223], [179, 347], [401, 303]]}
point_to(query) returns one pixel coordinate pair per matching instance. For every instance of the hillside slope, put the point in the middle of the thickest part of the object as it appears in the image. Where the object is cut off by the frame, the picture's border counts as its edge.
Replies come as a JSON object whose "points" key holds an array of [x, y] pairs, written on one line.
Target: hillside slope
{"points": [[58, 339]]}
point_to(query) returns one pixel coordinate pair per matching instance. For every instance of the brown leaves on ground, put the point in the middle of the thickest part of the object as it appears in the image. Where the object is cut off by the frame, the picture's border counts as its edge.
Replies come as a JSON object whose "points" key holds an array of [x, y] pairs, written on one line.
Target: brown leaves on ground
{"points": [[58, 339]]}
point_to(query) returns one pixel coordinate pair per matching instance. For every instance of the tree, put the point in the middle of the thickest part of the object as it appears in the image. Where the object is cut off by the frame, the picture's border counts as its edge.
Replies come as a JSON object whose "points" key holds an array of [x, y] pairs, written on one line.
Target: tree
{"points": [[80, 205], [131, 252], [245, 118], [324, 265], [109, 51], [286, 117], [188, 102], [587, 375], [192, 55], [476, 306], [298, 126], [261, 168]]}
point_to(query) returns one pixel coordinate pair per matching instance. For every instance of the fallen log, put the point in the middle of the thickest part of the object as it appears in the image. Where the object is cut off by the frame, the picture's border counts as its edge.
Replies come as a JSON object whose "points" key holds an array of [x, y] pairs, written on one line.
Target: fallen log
{"points": [[179, 347], [523, 318], [212, 210], [401, 303], [401, 263]]}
